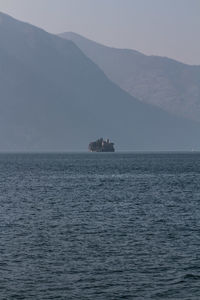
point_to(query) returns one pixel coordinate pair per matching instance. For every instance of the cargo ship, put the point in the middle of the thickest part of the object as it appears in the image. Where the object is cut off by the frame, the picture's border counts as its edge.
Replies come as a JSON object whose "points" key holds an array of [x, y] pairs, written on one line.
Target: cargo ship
{"points": [[101, 145]]}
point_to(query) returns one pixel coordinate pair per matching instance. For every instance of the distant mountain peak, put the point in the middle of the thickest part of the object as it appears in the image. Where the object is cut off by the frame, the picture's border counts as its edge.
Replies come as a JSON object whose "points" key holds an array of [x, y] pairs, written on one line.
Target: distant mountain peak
{"points": [[77, 37]]}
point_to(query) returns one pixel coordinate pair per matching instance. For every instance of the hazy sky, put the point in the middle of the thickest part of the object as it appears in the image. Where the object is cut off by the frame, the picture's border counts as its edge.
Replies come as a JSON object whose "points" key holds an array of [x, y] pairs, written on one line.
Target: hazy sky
{"points": [[161, 27]]}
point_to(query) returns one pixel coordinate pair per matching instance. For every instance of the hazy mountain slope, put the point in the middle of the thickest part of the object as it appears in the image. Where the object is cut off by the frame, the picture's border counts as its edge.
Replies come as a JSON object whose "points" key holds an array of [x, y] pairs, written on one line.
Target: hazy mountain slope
{"points": [[161, 81], [55, 98]]}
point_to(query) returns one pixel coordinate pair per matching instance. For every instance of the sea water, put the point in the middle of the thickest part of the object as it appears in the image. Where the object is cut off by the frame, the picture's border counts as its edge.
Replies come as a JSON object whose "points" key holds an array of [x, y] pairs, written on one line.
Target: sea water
{"points": [[100, 226]]}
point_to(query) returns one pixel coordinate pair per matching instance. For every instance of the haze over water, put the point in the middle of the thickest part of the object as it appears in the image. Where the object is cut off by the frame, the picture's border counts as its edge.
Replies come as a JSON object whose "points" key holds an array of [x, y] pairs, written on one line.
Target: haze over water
{"points": [[100, 226]]}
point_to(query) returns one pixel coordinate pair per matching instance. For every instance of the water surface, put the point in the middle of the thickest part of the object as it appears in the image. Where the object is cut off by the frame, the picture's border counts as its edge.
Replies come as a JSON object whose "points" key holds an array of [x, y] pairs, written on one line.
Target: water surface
{"points": [[100, 226]]}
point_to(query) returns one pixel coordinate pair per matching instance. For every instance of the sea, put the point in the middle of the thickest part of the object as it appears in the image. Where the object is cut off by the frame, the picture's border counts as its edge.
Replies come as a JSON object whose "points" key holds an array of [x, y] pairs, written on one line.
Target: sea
{"points": [[100, 226]]}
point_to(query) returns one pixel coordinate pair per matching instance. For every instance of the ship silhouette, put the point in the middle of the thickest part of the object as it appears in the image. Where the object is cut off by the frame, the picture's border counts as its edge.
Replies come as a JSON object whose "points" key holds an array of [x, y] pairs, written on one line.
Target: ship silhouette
{"points": [[101, 145]]}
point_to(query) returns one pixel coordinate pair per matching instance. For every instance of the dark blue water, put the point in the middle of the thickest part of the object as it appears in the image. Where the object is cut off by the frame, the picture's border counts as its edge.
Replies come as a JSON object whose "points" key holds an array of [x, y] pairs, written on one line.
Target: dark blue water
{"points": [[100, 226]]}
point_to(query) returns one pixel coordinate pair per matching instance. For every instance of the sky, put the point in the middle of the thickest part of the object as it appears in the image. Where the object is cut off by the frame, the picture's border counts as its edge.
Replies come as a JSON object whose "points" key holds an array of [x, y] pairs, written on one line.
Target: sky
{"points": [[155, 27]]}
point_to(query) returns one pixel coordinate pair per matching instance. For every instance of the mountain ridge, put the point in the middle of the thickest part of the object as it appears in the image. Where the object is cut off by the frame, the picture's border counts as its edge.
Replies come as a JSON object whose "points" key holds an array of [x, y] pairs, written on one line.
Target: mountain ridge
{"points": [[161, 81], [77, 35]]}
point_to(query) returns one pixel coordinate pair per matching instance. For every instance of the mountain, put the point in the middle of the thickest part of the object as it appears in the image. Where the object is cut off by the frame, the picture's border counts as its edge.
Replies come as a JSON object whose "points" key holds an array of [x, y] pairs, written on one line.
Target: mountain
{"points": [[166, 83], [54, 98]]}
